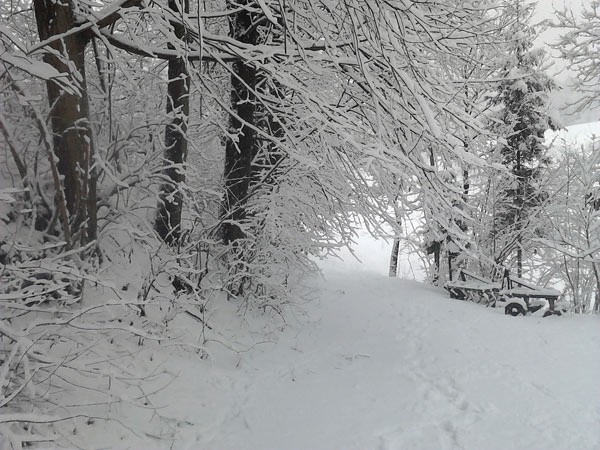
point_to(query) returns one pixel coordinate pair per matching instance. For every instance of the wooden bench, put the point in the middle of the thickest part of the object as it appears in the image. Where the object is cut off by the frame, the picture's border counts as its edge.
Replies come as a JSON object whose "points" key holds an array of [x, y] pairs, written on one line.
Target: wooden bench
{"points": [[518, 296], [513, 287], [473, 287]]}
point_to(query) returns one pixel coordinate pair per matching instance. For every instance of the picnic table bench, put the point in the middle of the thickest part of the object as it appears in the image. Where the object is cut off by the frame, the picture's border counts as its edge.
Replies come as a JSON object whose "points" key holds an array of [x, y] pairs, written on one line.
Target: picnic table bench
{"points": [[518, 296], [472, 287], [517, 288]]}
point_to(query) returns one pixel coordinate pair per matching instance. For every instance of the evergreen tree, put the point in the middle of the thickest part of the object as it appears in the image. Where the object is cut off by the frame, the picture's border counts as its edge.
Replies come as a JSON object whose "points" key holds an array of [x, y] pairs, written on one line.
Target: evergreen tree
{"points": [[523, 120]]}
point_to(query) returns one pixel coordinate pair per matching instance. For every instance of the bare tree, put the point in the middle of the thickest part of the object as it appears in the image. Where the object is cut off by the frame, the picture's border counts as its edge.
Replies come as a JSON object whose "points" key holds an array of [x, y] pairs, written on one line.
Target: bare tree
{"points": [[573, 217], [64, 40], [580, 47]]}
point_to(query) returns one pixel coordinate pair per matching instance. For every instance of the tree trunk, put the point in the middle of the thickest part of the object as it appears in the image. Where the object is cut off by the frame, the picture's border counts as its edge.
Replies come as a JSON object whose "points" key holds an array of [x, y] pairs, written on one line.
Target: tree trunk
{"points": [[170, 205], [597, 296], [520, 205], [394, 258], [240, 153], [520, 258], [69, 116], [437, 252], [396, 245]]}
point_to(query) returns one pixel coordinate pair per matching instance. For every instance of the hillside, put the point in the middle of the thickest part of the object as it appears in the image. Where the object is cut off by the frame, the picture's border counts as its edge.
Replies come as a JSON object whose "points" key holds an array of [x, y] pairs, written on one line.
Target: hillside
{"points": [[376, 363]]}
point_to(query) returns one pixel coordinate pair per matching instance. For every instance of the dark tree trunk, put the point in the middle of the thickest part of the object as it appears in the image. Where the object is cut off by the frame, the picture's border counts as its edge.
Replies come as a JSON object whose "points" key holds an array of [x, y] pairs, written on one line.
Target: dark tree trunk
{"points": [[396, 245], [596, 269], [436, 261], [466, 185], [169, 209], [69, 116], [240, 153], [436, 247], [170, 206], [394, 258], [520, 211], [519, 260]]}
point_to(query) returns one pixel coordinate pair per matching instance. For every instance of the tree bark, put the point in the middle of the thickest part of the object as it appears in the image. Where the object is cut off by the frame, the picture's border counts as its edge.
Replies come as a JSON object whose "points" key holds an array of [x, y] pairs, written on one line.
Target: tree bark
{"points": [[597, 295], [437, 253], [394, 258], [520, 259], [69, 116], [396, 245], [170, 206], [520, 205], [240, 151]]}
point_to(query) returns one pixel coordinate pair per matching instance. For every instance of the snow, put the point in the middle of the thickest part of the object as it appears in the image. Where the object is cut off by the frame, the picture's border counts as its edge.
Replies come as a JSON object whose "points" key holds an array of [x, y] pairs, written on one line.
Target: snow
{"points": [[574, 135], [38, 69], [374, 363], [520, 85]]}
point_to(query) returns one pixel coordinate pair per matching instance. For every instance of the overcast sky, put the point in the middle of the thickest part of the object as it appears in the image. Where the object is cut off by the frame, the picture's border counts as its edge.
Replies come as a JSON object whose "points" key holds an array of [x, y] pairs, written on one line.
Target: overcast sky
{"points": [[545, 10]]}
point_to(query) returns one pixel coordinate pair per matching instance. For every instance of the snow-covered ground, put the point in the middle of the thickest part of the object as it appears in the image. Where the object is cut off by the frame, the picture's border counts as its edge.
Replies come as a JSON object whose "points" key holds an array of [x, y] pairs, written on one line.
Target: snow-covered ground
{"points": [[369, 362], [374, 363]]}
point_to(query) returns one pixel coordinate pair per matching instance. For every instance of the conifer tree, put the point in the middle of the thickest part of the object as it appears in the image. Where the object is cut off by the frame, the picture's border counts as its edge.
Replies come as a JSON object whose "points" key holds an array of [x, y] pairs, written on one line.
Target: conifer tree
{"points": [[523, 119]]}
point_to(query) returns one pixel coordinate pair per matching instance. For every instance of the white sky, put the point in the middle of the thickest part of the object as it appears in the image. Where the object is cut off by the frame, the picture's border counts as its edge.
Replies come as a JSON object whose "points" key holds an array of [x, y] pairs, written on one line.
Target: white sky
{"points": [[545, 9]]}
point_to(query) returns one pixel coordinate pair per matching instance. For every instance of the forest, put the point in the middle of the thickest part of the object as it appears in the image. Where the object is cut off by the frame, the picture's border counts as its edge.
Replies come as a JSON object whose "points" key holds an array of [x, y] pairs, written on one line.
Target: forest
{"points": [[161, 158]]}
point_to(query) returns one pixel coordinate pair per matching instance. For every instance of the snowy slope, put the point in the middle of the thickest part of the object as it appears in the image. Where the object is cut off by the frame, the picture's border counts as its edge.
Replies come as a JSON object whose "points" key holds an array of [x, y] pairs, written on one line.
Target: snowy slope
{"points": [[379, 363], [573, 135]]}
